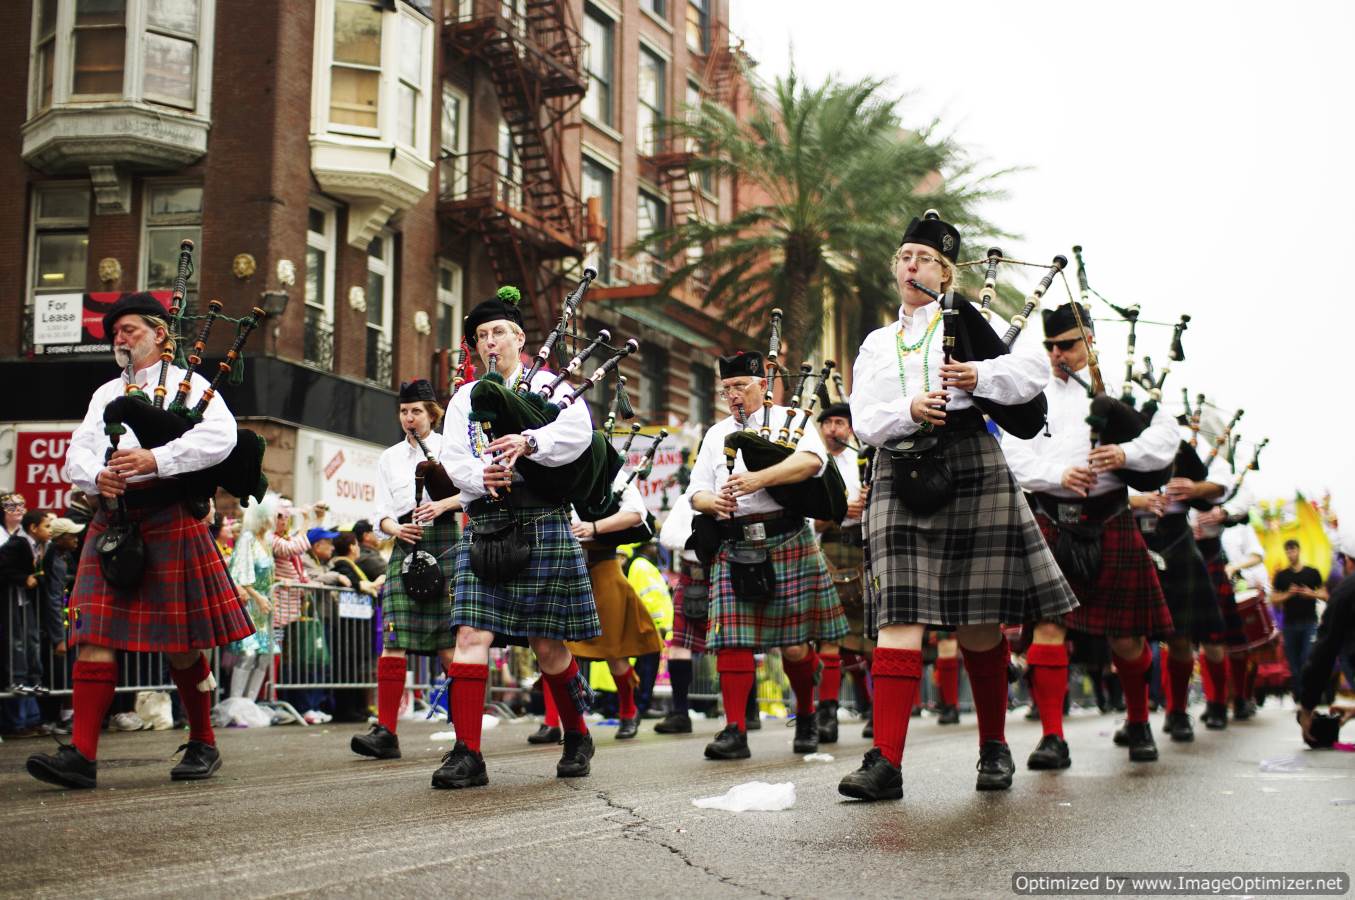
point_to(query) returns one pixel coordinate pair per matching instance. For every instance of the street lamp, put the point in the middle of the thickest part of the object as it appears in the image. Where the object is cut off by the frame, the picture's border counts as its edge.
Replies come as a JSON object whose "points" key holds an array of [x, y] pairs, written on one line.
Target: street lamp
{"points": [[275, 304]]}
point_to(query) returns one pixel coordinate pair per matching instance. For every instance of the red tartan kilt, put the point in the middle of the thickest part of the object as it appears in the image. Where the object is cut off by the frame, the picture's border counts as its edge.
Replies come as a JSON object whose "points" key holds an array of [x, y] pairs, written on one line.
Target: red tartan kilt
{"points": [[1126, 600], [691, 635], [186, 600], [1234, 632]]}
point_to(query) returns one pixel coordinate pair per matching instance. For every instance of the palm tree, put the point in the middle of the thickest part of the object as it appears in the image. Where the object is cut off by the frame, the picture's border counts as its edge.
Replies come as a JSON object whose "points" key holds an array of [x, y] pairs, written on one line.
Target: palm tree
{"points": [[839, 178]]}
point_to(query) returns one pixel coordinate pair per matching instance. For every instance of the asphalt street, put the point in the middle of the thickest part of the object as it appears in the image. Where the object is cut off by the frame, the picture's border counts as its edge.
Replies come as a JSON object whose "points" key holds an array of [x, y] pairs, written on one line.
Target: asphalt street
{"points": [[293, 812]]}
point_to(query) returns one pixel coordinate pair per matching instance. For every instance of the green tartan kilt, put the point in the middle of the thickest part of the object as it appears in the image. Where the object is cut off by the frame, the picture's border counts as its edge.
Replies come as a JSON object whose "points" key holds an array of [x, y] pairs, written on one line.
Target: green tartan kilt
{"points": [[423, 628], [552, 597]]}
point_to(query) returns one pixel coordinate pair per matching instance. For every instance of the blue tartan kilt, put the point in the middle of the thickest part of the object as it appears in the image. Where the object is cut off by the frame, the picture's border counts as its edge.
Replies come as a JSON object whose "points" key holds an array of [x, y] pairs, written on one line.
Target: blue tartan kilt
{"points": [[552, 597]]}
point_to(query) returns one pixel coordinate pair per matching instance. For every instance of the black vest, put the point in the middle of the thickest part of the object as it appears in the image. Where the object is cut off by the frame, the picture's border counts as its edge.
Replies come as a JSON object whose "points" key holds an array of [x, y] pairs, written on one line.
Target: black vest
{"points": [[976, 340]]}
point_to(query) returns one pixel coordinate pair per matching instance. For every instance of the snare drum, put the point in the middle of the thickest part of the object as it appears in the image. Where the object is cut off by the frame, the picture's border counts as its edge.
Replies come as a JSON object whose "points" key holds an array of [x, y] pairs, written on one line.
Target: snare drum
{"points": [[1258, 625]]}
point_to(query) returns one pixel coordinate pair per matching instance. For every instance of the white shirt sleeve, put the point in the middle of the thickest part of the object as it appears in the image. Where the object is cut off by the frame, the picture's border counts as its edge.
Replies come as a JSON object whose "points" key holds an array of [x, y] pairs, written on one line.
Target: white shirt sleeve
{"points": [[385, 499], [632, 501], [708, 457], [85, 453], [465, 469], [1015, 377], [1155, 447], [205, 444], [677, 527], [1033, 470], [879, 411]]}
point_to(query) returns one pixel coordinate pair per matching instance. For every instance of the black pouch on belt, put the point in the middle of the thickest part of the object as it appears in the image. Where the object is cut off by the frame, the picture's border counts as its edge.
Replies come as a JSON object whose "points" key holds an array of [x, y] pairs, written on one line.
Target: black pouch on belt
{"points": [[753, 576], [922, 477], [696, 601], [499, 554], [1078, 550], [423, 578], [122, 554]]}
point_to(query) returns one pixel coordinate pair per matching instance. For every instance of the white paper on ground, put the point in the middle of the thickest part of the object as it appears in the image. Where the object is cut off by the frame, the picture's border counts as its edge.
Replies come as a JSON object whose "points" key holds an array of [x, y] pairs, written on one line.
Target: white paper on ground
{"points": [[818, 757], [1282, 764], [752, 796], [487, 723], [442, 736]]}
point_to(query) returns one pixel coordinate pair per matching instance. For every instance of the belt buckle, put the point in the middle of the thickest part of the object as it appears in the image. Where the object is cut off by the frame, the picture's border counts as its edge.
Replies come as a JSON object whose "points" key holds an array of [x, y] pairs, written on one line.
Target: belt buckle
{"points": [[755, 532], [1069, 513], [1147, 524]]}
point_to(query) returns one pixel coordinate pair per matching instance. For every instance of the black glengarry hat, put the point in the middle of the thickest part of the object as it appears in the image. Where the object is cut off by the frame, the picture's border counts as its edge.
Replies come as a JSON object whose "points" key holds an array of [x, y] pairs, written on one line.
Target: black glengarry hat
{"points": [[503, 305], [740, 364], [417, 391], [141, 304], [1057, 321], [930, 231], [840, 410]]}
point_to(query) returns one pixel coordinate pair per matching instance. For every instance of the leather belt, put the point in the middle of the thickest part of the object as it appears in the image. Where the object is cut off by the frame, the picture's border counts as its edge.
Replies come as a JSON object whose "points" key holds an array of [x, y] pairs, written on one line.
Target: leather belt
{"points": [[595, 553], [520, 497], [759, 527], [1072, 510]]}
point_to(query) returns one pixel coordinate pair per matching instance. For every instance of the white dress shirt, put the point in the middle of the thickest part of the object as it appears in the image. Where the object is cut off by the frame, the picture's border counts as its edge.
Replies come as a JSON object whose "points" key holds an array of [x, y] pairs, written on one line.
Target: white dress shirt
{"points": [[1221, 473], [1239, 542], [677, 526], [200, 447], [395, 476], [851, 475], [1039, 463], [631, 499], [710, 473], [557, 443]]}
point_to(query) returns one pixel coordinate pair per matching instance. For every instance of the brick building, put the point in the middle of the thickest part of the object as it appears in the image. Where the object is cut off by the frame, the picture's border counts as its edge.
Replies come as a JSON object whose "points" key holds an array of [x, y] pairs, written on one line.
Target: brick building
{"points": [[365, 170]]}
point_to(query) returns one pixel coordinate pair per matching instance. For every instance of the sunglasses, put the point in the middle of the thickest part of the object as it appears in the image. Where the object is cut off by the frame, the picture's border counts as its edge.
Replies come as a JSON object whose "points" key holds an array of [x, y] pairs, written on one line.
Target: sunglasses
{"points": [[1064, 346]]}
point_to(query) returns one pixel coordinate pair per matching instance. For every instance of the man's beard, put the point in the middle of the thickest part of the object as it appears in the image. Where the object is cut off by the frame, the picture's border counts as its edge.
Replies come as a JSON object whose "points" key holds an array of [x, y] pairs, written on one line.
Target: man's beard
{"points": [[123, 356], [836, 444], [126, 355]]}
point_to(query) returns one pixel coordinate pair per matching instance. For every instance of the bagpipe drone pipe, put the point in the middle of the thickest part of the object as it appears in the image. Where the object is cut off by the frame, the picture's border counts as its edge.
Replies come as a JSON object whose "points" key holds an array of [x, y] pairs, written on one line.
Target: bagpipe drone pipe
{"points": [[645, 531]]}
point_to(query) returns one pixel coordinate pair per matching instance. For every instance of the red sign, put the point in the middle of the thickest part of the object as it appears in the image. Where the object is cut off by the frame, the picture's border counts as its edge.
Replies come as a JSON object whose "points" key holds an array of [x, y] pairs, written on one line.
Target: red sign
{"points": [[39, 457], [333, 465]]}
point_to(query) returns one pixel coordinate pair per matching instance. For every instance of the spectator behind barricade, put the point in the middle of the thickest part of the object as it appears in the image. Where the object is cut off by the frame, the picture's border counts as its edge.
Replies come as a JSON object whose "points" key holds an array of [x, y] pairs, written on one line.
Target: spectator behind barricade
{"points": [[289, 549], [252, 566], [316, 560], [370, 560], [1297, 590], [225, 532], [345, 562], [353, 635], [21, 577], [59, 565], [14, 506]]}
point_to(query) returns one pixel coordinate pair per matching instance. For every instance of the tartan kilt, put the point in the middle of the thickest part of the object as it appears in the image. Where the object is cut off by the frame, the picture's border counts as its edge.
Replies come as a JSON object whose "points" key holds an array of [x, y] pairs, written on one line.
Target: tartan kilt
{"points": [[186, 600], [805, 608], [551, 598], [689, 634], [978, 560], [422, 628], [1126, 600], [846, 569], [627, 627], [1186, 583], [1233, 632]]}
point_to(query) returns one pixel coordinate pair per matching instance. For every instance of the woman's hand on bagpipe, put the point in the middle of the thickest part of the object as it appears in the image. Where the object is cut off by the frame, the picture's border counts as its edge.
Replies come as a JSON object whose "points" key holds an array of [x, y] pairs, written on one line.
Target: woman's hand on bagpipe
{"points": [[964, 376], [1106, 458], [929, 408], [743, 484], [1213, 516], [857, 508], [129, 463], [1179, 490], [1154, 503], [724, 505], [1079, 480], [409, 533], [110, 484], [585, 531], [497, 476], [508, 448], [427, 512]]}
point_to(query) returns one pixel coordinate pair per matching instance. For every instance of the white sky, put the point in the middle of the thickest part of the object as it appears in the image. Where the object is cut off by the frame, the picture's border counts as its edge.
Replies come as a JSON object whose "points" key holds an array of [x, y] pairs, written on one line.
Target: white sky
{"points": [[1195, 149]]}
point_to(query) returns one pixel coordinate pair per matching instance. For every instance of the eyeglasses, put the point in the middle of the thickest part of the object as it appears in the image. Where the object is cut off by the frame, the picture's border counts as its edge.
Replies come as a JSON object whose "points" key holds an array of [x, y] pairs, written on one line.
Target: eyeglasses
{"points": [[737, 390], [1064, 346], [923, 259]]}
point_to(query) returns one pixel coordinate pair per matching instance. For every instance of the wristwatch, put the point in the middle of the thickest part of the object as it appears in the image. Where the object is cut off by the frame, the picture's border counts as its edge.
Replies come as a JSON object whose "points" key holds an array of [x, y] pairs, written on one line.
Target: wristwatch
{"points": [[531, 444]]}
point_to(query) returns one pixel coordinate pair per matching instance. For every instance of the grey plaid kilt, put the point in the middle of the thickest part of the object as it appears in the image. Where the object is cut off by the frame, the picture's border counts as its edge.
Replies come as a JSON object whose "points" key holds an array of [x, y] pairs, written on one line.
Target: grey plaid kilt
{"points": [[1186, 582], [423, 628], [980, 559], [551, 598]]}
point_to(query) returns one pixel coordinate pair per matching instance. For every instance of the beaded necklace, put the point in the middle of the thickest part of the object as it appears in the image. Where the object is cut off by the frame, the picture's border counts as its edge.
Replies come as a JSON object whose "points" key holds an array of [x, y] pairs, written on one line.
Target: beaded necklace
{"points": [[475, 431], [924, 344]]}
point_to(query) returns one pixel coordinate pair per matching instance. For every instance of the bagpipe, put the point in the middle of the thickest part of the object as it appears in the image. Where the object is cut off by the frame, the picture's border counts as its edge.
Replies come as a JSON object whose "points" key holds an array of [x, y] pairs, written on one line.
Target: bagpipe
{"points": [[420, 572], [430, 476], [645, 531]]}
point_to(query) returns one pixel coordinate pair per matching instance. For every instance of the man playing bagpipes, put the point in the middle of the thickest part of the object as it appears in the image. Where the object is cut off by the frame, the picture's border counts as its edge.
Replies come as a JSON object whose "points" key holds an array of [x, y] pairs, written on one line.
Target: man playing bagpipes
{"points": [[521, 576], [419, 511], [769, 586], [176, 597], [1078, 482]]}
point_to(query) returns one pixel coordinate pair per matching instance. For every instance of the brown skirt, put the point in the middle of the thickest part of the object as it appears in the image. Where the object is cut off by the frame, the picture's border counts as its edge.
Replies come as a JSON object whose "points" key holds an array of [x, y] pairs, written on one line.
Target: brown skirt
{"points": [[627, 627]]}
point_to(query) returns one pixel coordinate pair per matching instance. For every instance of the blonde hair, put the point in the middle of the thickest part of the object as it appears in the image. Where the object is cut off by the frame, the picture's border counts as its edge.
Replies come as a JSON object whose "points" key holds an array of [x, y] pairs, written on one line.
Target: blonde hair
{"points": [[949, 274], [154, 322], [259, 514]]}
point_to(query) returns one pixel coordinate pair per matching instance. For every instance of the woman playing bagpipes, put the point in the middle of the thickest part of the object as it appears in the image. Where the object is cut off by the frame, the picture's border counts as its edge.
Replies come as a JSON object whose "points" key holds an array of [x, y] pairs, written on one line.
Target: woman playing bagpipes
{"points": [[546, 598], [181, 601], [952, 542], [419, 511]]}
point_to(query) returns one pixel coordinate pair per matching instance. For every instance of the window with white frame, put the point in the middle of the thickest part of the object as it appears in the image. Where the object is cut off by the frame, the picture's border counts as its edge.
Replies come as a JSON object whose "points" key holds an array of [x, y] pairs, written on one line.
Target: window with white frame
{"points": [[450, 305], [378, 54], [355, 70], [380, 306], [60, 244], [597, 183], [656, 8], [599, 54], [318, 338], [707, 178], [510, 168], [99, 41], [452, 170], [650, 108], [173, 212], [698, 25], [411, 90], [651, 215], [171, 52]]}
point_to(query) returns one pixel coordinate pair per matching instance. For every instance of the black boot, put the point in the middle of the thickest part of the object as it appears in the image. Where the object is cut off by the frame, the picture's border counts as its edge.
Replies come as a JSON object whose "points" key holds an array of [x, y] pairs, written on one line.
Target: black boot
{"points": [[675, 723], [877, 779], [1178, 725], [827, 718], [379, 743], [67, 767], [1142, 747], [752, 713], [950, 715], [544, 735], [575, 761], [1121, 736], [806, 734], [1050, 753], [1215, 716], [995, 766], [627, 729], [199, 761], [1243, 709], [461, 767], [731, 743]]}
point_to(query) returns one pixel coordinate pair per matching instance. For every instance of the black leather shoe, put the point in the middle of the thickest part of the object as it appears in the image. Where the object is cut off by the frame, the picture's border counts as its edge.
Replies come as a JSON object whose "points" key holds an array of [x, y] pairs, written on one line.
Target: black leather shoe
{"points": [[877, 779], [1215, 716], [1243, 710], [950, 715], [575, 761], [1142, 747], [827, 720], [731, 743], [199, 761], [461, 767], [806, 734], [995, 766], [1179, 727], [1121, 737], [544, 735], [1050, 753], [869, 730], [675, 723], [67, 767], [627, 729], [378, 743]]}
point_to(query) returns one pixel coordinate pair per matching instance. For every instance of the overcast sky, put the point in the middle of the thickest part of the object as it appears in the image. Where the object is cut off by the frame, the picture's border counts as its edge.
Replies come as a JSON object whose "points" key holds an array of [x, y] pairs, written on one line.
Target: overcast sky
{"points": [[1199, 151]]}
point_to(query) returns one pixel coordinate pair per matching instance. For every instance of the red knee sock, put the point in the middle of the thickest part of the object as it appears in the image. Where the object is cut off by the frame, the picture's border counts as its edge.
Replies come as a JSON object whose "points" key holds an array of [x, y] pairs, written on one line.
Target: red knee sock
{"points": [[1217, 683], [625, 694], [1237, 677], [896, 673], [570, 717], [93, 692], [801, 674], [736, 667], [552, 714], [468, 701], [988, 682], [948, 679], [390, 686], [1049, 683], [1134, 682], [1178, 672], [830, 682], [197, 703]]}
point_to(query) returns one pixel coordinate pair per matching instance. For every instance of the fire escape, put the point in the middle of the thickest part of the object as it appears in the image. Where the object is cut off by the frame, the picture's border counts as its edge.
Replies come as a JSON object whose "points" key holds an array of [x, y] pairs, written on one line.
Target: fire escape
{"points": [[523, 205]]}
